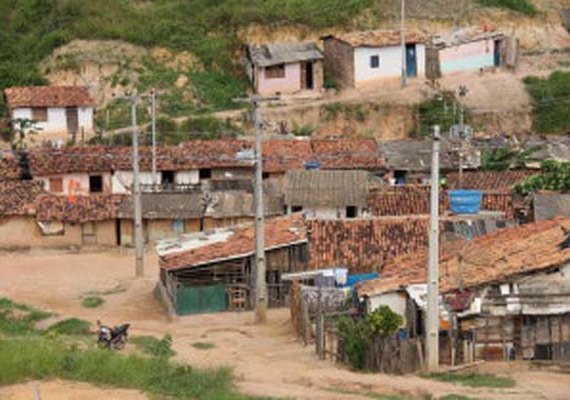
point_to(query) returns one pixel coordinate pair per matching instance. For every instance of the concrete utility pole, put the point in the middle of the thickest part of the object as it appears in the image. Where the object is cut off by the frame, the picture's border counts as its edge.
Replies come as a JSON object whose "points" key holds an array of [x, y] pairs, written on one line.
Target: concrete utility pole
{"points": [[260, 268], [403, 39], [432, 316], [153, 127], [462, 93], [139, 244]]}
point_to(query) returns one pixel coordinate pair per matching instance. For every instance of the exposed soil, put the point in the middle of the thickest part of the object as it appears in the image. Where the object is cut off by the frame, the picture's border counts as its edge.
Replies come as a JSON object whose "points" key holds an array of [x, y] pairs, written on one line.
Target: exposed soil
{"points": [[62, 390], [267, 360]]}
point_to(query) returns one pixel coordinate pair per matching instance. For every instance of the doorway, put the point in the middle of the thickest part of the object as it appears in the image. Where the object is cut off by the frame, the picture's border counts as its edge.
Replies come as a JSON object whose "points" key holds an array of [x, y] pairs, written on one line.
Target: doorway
{"points": [[411, 62], [309, 79], [72, 120], [497, 54]]}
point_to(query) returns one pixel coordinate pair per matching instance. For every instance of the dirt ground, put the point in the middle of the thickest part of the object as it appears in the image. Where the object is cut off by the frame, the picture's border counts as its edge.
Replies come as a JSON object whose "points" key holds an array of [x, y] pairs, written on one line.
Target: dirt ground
{"points": [[62, 390], [267, 360]]}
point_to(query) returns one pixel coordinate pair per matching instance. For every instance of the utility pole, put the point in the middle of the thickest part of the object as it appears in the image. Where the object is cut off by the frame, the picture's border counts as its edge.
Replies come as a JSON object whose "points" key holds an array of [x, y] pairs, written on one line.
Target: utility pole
{"points": [[260, 268], [432, 316], [153, 127], [139, 244], [462, 93], [403, 39]]}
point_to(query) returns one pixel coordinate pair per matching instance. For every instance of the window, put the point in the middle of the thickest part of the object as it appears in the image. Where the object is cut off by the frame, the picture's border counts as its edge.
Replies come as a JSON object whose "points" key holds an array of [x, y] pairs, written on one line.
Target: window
{"points": [[275, 71], [265, 175], [375, 61], [351, 212], [95, 184], [56, 185], [167, 177], [40, 114], [178, 226], [296, 208], [205, 173]]}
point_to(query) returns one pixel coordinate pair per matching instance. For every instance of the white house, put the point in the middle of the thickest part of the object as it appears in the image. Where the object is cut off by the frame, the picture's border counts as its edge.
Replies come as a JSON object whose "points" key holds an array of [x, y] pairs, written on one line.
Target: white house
{"points": [[357, 58], [59, 112]]}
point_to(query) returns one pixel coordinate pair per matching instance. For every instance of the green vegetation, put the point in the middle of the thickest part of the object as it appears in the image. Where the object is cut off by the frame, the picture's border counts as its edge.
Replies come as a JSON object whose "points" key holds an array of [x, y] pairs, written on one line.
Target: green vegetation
{"points": [[302, 130], [71, 326], [523, 6], [456, 397], [203, 345], [92, 302], [475, 380], [358, 333], [442, 110], [370, 395], [18, 319], [551, 102], [555, 176], [153, 346], [355, 112], [504, 158]]}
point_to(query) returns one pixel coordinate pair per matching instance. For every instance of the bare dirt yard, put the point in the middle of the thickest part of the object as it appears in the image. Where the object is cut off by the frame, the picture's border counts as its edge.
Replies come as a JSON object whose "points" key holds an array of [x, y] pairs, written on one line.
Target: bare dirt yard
{"points": [[267, 360]]}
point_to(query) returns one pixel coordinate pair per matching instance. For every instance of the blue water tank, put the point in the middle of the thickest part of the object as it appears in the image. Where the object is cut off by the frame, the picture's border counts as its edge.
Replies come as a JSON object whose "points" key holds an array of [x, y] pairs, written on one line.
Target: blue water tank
{"points": [[465, 201], [312, 164]]}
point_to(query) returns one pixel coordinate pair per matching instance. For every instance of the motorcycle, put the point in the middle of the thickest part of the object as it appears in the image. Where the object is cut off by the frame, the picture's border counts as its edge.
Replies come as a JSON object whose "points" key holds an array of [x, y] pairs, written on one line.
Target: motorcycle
{"points": [[112, 338]]}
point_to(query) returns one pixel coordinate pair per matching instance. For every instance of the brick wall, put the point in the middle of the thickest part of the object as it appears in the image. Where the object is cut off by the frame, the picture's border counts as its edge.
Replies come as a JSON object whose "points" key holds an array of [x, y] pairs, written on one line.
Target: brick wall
{"points": [[339, 62]]}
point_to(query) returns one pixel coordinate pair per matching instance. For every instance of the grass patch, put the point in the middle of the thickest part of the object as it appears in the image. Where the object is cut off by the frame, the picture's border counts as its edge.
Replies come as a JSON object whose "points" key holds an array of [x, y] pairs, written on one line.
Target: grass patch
{"points": [[370, 395], [203, 345], [92, 302], [551, 106], [71, 326], [475, 380], [18, 319], [456, 397], [38, 358], [522, 6], [442, 110], [153, 346]]}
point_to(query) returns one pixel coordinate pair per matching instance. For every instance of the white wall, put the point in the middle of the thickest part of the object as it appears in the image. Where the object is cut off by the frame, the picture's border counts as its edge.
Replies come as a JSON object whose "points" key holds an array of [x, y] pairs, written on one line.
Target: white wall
{"points": [[390, 62], [57, 120], [395, 300], [122, 180], [467, 56], [290, 83], [187, 177], [80, 181]]}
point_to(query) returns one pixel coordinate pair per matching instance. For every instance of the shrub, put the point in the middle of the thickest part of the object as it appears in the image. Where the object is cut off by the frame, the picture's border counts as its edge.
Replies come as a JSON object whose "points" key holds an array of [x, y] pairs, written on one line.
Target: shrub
{"points": [[92, 302], [555, 176], [475, 380], [438, 111], [18, 319], [302, 130], [550, 102], [71, 326], [203, 345], [153, 346], [523, 6]]}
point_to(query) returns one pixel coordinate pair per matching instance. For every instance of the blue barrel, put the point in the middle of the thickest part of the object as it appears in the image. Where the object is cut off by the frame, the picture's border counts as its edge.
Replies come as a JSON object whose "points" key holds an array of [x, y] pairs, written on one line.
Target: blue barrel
{"points": [[465, 201], [312, 164]]}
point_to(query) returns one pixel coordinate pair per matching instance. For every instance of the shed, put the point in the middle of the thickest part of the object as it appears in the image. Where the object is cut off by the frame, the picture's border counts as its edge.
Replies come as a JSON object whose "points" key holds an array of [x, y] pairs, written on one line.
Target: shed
{"points": [[285, 67], [357, 58], [327, 194]]}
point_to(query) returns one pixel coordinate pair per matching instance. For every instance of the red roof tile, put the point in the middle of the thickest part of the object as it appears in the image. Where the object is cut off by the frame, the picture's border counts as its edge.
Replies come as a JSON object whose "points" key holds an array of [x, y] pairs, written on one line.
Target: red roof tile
{"points": [[283, 155], [9, 167], [495, 181], [79, 210], [48, 96], [279, 232], [18, 197], [484, 260], [347, 154]]}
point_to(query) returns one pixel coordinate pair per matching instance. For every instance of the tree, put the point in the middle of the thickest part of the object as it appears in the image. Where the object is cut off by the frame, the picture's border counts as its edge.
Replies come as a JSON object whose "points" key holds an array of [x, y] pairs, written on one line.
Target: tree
{"points": [[22, 128], [504, 158], [555, 176]]}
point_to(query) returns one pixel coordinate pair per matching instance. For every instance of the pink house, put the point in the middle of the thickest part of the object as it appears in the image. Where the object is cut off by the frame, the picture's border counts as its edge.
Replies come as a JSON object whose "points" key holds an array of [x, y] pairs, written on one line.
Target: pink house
{"points": [[285, 68]]}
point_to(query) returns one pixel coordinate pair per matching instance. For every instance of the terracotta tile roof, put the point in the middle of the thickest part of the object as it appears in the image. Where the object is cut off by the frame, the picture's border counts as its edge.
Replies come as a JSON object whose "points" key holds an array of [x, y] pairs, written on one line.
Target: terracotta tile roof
{"points": [[487, 259], [18, 197], [279, 232], [48, 161], [283, 155], [81, 209], [495, 181], [48, 96], [364, 245], [9, 167], [379, 38], [347, 154]]}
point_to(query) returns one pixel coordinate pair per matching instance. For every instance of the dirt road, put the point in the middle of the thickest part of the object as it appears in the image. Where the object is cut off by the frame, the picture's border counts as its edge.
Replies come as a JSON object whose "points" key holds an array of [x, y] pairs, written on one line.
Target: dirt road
{"points": [[267, 360]]}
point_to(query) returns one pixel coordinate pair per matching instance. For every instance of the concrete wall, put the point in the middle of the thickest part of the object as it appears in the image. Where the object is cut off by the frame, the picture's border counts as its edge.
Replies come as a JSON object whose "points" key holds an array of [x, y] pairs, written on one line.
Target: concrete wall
{"points": [[56, 125], [187, 177], [24, 232], [79, 181], [122, 180], [155, 229], [395, 300], [468, 56], [339, 62], [232, 173], [291, 83], [390, 63]]}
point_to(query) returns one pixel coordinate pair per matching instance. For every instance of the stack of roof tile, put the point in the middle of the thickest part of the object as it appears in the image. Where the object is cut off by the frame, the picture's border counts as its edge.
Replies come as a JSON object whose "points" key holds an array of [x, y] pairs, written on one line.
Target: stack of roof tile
{"points": [[9, 167], [403, 200], [18, 197], [279, 232], [78, 209], [492, 181], [347, 154]]}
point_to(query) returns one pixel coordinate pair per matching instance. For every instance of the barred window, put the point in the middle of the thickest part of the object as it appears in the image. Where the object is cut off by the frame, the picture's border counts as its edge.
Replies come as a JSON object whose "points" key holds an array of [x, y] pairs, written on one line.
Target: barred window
{"points": [[40, 114], [275, 71]]}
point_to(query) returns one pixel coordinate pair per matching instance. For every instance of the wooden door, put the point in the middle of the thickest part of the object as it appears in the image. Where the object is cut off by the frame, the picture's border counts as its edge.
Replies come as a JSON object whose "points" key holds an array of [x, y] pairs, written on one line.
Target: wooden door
{"points": [[72, 117]]}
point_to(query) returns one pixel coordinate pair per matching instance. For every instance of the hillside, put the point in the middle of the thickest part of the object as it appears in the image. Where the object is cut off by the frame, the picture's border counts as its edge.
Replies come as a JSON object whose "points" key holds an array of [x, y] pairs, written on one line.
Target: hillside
{"points": [[191, 50]]}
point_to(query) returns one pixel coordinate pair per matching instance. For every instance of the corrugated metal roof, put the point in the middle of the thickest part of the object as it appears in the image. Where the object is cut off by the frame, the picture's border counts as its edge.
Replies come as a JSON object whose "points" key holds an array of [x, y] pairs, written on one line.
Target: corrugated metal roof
{"points": [[550, 205], [316, 188], [272, 54]]}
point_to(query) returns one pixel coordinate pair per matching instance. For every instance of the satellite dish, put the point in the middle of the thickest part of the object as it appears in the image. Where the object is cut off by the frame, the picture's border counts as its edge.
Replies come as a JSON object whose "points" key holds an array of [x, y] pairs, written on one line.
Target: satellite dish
{"points": [[456, 133]]}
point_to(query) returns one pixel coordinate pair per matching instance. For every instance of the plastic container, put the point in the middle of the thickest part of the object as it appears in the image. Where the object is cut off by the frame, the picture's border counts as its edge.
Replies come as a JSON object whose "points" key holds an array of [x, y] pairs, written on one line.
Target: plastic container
{"points": [[465, 201], [312, 164]]}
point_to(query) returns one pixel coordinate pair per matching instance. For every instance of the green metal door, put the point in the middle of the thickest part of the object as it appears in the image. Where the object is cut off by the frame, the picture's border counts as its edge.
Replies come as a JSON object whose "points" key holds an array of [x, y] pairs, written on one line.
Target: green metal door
{"points": [[201, 299]]}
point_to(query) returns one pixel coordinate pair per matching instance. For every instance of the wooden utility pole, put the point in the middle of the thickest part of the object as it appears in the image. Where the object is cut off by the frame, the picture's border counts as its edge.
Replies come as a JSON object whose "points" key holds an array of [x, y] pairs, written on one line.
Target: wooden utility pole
{"points": [[139, 244], [260, 268], [432, 315], [153, 127], [403, 39]]}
